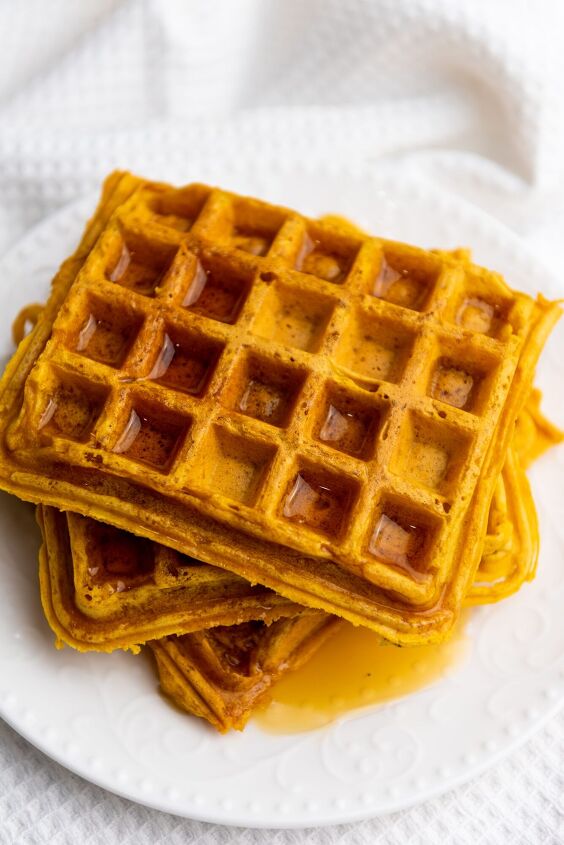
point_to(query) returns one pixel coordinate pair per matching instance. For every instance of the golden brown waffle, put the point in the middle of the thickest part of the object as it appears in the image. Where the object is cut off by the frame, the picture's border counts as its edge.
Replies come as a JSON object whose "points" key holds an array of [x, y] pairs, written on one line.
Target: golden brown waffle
{"points": [[510, 550], [534, 433], [103, 588], [223, 371], [224, 674]]}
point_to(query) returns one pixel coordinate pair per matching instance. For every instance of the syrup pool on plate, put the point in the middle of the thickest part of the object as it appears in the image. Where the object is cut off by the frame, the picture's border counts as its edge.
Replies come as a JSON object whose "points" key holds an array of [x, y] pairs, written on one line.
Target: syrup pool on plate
{"points": [[354, 669]]}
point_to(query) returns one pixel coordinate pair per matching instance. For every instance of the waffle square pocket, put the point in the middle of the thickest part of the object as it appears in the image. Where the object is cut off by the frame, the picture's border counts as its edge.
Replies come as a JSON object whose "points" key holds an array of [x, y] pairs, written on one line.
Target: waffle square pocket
{"points": [[252, 388]]}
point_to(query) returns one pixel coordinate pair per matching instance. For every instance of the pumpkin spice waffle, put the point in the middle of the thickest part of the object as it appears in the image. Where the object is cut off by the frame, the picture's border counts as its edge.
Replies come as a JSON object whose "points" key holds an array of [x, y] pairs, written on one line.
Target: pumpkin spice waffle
{"points": [[225, 674], [510, 549], [327, 413], [103, 588]]}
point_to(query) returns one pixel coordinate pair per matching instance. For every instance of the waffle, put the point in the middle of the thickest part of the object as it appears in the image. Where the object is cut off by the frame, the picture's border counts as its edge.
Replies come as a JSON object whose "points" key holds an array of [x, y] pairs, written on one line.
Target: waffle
{"points": [[246, 385], [510, 551], [509, 555], [534, 433], [224, 674], [103, 588]]}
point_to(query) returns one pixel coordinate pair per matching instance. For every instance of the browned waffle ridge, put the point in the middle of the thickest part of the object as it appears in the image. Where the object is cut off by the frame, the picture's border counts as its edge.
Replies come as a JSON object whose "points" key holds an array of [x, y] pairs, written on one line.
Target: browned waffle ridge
{"points": [[198, 374], [225, 674], [103, 588]]}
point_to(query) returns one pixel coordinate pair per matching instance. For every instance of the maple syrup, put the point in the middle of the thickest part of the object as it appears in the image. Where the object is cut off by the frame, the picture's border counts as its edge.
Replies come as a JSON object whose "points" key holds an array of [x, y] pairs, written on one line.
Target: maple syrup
{"points": [[477, 315], [324, 266], [252, 243], [112, 552], [314, 259], [319, 502], [71, 412], [104, 341], [454, 386], [184, 367], [354, 669], [131, 272], [394, 543], [399, 286], [215, 295], [264, 402], [345, 430], [150, 441]]}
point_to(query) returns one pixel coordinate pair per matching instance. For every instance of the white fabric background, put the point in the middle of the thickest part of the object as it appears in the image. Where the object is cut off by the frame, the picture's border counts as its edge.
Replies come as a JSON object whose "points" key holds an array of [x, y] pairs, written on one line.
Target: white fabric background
{"points": [[468, 93]]}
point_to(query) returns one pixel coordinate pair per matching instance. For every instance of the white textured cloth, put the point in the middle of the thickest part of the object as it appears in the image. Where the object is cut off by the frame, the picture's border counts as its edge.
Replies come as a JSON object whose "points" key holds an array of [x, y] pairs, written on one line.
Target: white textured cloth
{"points": [[468, 93], [520, 801]]}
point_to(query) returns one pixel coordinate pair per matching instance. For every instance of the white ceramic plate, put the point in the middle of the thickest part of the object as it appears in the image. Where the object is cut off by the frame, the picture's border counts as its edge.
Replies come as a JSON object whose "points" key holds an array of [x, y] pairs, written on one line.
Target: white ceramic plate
{"points": [[101, 715]]}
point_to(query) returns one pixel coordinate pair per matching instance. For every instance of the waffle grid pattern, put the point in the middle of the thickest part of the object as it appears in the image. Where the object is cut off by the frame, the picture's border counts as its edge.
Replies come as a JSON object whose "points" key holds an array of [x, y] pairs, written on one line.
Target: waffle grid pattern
{"points": [[104, 574], [103, 588], [336, 391], [226, 673], [114, 569]]}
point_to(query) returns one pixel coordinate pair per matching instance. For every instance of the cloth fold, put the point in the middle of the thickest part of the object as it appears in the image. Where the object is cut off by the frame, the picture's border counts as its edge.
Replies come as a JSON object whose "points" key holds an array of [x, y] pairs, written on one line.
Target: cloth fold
{"points": [[94, 85]]}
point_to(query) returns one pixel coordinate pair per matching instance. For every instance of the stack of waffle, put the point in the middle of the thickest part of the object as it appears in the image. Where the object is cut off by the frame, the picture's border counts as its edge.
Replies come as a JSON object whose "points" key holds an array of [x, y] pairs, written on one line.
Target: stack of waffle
{"points": [[241, 426]]}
